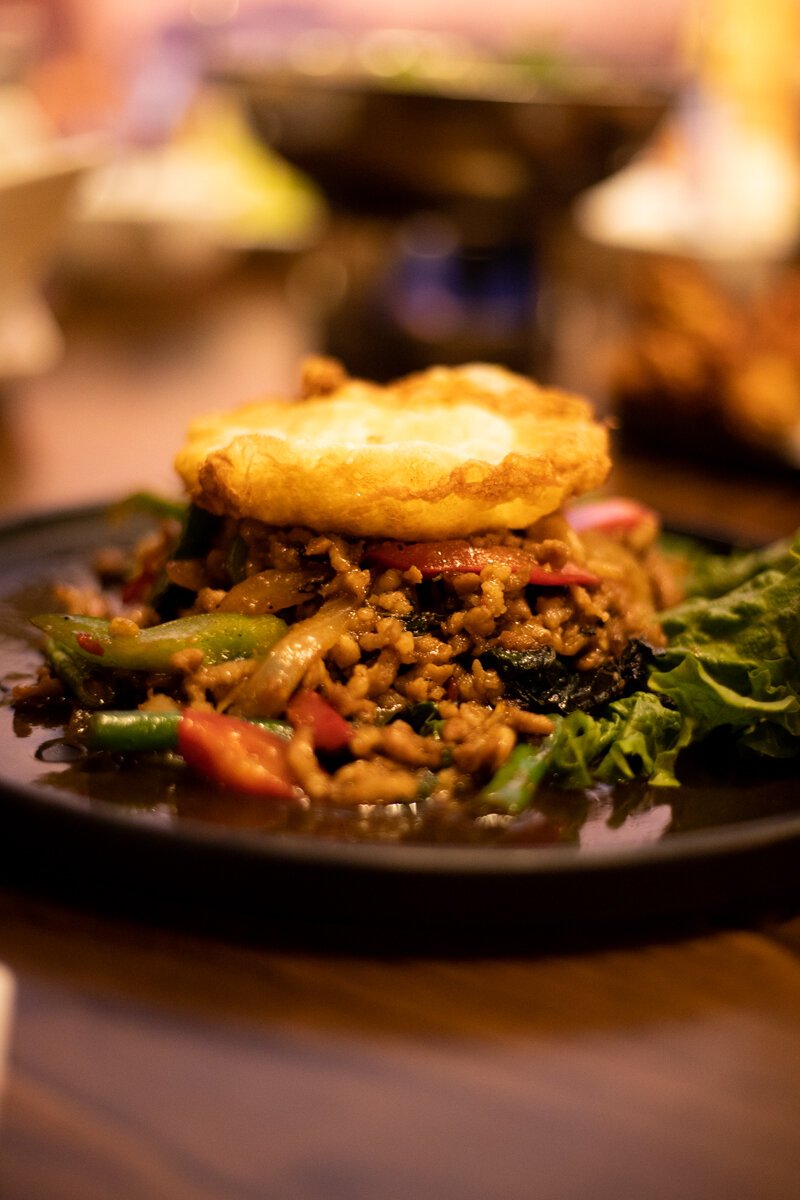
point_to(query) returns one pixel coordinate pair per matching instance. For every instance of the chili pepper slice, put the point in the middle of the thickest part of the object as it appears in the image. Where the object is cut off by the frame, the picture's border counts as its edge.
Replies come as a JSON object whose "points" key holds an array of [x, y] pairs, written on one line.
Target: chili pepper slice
{"points": [[457, 557]]}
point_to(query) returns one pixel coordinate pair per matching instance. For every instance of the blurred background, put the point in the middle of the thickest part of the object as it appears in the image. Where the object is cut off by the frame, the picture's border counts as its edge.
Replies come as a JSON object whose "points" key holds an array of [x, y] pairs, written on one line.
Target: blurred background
{"points": [[194, 194]]}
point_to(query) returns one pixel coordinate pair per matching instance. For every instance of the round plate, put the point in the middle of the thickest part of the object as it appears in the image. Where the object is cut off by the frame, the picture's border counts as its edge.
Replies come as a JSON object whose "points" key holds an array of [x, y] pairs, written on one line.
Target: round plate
{"points": [[708, 848]]}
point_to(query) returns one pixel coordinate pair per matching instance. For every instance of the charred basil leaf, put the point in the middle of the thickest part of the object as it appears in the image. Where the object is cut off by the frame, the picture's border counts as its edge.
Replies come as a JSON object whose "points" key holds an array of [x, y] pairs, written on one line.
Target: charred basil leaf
{"points": [[423, 718], [420, 623], [542, 681]]}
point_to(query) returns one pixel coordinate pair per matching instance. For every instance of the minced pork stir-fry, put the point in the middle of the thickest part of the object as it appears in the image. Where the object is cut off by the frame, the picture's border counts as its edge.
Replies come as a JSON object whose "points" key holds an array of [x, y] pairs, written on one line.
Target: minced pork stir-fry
{"points": [[376, 595], [398, 665]]}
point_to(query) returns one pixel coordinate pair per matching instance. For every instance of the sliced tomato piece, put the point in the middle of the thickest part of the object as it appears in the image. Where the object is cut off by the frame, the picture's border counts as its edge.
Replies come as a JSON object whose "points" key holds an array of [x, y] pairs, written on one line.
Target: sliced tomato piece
{"points": [[457, 557], [614, 512], [236, 754], [329, 730]]}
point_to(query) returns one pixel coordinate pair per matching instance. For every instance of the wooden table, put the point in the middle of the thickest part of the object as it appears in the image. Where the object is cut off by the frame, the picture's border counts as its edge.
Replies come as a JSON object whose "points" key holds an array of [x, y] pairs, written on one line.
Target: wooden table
{"points": [[148, 1062]]}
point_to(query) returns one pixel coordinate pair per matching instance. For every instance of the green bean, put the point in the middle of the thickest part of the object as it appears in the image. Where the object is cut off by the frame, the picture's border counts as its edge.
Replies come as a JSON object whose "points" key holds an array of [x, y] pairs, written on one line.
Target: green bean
{"points": [[117, 731], [75, 674], [220, 636], [513, 786]]}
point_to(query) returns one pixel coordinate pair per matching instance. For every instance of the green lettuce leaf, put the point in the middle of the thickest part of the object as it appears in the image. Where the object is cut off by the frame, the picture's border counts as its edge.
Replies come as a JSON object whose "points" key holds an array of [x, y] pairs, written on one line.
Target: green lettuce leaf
{"points": [[637, 737], [734, 660], [712, 575], [732, 663]]}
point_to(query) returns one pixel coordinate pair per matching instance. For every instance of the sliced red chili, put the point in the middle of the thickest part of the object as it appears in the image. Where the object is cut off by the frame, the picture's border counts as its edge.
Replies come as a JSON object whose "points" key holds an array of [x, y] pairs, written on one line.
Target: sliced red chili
{"points": [[457, 557], [329, 730], [89, 644], [236, 754]]}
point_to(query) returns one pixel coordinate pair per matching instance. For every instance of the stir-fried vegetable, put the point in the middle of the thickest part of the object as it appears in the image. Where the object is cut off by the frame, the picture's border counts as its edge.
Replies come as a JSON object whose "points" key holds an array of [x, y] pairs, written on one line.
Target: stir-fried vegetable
{"points": [[220, 637], [268, 592], [542, 681], [329, 730], [137, 731], [236, 754], [266, 692], [514, 786], [76, 675], [732, 662]]}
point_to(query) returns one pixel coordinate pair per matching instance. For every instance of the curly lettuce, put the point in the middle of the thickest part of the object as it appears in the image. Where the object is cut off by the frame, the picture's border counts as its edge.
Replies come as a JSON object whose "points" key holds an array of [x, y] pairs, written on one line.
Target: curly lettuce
{"points": [[732, 663], [733, 659]]}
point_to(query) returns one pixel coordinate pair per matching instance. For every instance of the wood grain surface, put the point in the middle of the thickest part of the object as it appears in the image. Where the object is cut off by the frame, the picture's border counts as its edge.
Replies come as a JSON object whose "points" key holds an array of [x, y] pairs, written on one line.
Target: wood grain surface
{"points": [[146, 1062]]}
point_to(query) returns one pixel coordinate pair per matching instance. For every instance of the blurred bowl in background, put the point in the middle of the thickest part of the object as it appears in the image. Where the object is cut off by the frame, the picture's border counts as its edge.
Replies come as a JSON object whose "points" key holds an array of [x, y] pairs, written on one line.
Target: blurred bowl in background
{"points": [[443, 195], [395, 145]]}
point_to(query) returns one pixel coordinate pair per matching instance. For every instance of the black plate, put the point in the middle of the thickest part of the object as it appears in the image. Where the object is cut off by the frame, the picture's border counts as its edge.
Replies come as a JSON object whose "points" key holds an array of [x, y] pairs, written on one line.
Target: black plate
{"points": [[729, 844]]}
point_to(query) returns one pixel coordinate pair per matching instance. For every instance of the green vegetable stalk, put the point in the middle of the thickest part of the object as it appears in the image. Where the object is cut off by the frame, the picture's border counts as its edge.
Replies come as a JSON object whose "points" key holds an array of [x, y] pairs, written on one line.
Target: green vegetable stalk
{"points": [[77, 676], [135, 731], [220, 636], [514, 786]]}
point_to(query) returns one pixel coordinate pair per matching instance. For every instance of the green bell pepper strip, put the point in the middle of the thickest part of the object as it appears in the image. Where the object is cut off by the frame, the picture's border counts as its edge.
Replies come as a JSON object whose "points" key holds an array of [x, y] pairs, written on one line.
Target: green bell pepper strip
{"points": [[220, 636]]}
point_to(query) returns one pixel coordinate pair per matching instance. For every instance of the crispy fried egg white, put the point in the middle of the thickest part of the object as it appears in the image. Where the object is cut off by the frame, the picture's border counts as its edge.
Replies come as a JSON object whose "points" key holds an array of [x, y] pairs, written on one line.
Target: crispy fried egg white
{"points": [[447, 452]]}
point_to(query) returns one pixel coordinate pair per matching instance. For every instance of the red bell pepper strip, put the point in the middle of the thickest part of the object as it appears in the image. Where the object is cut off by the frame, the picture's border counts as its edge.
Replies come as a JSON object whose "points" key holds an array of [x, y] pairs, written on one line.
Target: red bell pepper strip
{"points": [[236, 754], [613, 513], [456, 557], [329, 730]]}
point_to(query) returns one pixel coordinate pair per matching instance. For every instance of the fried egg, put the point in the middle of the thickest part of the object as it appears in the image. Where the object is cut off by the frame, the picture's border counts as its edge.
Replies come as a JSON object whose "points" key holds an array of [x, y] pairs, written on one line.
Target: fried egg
{"points": [[446, 452]]}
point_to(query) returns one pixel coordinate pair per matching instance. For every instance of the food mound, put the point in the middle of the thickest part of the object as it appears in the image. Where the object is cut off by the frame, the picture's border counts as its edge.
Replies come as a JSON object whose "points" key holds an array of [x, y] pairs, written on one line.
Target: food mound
{"points": [[377, 596], [445, 453]]}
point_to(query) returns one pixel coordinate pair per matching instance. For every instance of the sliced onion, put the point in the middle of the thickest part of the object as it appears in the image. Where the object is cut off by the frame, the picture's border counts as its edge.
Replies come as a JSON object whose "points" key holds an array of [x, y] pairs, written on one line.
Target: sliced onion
{"points": [[266, 692], [267, 592]]}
